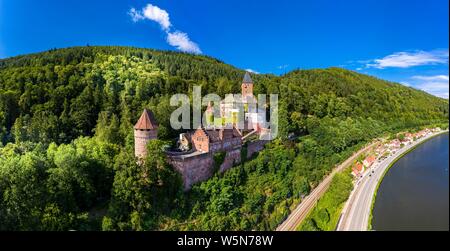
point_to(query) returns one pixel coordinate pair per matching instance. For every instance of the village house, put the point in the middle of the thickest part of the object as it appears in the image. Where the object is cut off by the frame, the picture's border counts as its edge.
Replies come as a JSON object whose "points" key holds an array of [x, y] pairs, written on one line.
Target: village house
{"points": [[408, 139], [394, 145], [368, 162], [422, 133], [437, 129], [380, 150], [358, 169]]}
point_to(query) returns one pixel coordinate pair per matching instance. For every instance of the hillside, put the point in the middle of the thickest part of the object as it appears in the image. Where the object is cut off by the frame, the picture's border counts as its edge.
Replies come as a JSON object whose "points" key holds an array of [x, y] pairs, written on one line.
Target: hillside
{"points": [[67, 158]]}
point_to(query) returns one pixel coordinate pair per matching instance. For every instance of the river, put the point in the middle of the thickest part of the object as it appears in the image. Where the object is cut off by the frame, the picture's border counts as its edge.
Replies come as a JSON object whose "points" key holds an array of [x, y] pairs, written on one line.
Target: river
{"points": [[414, 194]]}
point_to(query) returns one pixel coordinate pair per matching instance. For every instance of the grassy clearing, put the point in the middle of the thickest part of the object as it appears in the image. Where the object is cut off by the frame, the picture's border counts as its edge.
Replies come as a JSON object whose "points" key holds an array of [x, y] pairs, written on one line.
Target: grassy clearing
{"points": [[325, 215]]}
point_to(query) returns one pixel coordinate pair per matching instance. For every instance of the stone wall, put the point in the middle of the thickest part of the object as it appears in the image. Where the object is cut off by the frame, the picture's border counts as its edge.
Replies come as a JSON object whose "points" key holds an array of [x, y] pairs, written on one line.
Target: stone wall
{"points": [[193, 168], [255, 146], [233, 157], [197, 167]]}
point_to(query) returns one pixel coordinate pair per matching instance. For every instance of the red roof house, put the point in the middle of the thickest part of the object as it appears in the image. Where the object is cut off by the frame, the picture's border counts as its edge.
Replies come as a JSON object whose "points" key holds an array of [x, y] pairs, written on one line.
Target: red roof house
{"points": [[368, 162], [357, 169]]}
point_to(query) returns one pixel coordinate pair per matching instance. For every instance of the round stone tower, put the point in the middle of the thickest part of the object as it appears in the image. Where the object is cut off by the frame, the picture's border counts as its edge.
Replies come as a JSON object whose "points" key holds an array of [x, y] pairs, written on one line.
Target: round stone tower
{"points": [[145, 130]]}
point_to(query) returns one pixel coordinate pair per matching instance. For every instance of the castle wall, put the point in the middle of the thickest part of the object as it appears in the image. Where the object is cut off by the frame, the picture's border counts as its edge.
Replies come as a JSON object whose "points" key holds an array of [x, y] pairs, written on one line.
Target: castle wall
{"points": [[232, 158], [197, 167], [255, 146], [193, 168]]}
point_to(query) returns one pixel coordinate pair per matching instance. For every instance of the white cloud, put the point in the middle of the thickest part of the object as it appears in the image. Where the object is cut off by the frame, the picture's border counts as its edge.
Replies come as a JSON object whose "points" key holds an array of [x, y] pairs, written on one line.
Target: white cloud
{"points": [[178, 39], [439, 89], [182, 42], [410, 59], [252, 71], [432, 78], [437, 85], [158, 15], [135, 15]]}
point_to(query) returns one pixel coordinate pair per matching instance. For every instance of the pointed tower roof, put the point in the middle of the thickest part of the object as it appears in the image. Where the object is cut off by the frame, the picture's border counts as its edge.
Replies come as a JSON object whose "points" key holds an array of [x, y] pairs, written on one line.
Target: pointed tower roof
{"points": [[147, 121], [247, 78]]}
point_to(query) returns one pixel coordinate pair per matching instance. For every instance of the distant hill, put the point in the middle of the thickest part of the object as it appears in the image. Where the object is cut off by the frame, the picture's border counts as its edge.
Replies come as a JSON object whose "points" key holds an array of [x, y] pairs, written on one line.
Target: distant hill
{"points": [[364, 96]]}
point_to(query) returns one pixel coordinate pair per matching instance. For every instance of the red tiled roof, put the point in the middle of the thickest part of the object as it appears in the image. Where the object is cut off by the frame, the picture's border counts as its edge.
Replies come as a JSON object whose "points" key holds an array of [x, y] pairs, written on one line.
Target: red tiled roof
{"points": [[216, 135], [147, 121], [359, 167], [370, 159]]}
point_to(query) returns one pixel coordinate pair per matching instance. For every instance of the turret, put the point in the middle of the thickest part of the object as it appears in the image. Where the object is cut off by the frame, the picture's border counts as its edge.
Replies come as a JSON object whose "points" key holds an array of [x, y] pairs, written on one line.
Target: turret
{"points": [[145, 130], [247, 86]]}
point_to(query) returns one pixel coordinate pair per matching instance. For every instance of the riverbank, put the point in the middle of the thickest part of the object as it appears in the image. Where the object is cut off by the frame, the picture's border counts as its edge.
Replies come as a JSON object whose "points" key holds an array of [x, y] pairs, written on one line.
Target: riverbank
{"points": [[392, 164], [357, 210]]}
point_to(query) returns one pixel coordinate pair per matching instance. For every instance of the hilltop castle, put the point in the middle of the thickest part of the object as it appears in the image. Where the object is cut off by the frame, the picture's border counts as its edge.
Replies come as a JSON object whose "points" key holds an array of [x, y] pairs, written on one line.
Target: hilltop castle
{"points": [[195, 158]]}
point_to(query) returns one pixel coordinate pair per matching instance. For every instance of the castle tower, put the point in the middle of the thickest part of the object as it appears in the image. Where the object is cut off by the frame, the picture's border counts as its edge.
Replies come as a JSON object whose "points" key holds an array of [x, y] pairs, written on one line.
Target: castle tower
{"points": [[145, 130], [247, 86]]}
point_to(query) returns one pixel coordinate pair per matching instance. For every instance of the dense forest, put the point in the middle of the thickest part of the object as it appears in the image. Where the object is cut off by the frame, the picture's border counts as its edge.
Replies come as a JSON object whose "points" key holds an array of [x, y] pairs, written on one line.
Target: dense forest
{"points": [[67, 153]]}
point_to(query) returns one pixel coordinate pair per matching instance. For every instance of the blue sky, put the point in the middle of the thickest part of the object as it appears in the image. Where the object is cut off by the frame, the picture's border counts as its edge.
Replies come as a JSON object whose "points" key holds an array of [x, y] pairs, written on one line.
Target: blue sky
{"points": [[399, 40]]}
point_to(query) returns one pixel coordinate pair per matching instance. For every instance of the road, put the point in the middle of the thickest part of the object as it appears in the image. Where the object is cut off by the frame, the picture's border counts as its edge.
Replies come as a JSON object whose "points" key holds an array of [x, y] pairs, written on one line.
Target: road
{"points": [[308, 203], [356, 212]]}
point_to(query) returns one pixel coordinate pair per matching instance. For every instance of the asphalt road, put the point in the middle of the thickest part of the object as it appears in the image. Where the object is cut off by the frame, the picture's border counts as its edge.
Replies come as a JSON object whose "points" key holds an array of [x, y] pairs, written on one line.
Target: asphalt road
{"points": [[308, 203], [356, 212]]}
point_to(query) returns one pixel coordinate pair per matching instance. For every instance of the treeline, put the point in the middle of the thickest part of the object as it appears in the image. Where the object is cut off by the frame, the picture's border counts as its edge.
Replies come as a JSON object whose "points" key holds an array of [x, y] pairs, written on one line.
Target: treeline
{"points": [[66, 148]]}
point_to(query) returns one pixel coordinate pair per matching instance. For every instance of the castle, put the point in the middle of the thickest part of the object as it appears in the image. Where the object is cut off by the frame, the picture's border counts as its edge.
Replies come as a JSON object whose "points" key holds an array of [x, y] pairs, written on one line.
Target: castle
{"points": [[195, 158]]}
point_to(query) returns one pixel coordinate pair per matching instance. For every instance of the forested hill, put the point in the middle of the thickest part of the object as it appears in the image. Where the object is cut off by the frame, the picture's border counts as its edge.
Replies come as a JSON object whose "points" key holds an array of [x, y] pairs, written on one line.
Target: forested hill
{"points": [[337, 92], [70, 87], [66, 148]]}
